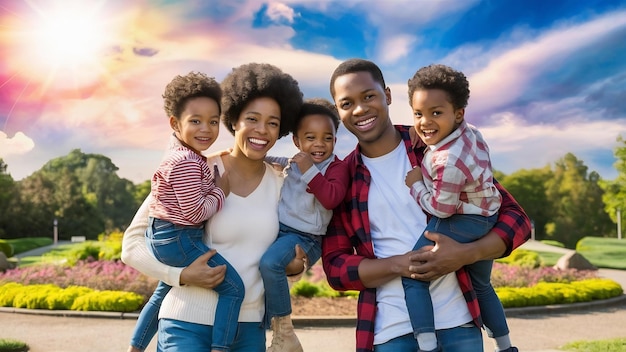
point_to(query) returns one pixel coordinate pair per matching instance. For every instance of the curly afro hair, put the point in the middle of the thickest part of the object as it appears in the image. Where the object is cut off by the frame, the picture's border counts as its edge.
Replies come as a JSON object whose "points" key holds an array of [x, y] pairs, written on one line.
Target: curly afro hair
{"points": [[445, 78], [183, 88], [317, 106], [251, 81]]}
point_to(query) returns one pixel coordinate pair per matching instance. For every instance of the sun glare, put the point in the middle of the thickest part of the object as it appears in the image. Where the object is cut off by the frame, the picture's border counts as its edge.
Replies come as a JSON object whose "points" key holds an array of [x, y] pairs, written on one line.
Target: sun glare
{"points": [[69, 38], [58, 38]]}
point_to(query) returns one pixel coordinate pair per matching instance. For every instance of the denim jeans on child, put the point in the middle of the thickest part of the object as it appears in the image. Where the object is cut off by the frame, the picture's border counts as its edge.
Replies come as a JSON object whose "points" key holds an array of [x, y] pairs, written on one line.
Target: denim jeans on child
{"points": [[179, 246], [273, 263], [182, 336], [465, 338], [462, 228]]}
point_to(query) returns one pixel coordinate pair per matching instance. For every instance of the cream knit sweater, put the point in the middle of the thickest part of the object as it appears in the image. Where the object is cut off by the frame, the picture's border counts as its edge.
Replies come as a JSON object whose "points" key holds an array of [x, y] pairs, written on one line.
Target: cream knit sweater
{"points": [[240, 232]]}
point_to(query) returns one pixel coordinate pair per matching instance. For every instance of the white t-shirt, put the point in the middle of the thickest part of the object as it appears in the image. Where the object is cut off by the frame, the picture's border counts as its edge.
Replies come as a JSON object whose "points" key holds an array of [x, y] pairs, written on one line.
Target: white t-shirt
{"points": [[396, 222]]}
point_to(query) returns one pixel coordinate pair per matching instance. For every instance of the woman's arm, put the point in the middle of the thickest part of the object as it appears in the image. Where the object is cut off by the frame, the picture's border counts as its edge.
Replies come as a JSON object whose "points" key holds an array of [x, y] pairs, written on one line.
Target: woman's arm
{"points": [[135, 253]]}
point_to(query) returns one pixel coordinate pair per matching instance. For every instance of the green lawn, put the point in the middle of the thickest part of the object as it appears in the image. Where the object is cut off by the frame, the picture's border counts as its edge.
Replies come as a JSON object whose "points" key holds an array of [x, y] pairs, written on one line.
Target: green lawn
{"points": [[21, 245], [607, 253]]}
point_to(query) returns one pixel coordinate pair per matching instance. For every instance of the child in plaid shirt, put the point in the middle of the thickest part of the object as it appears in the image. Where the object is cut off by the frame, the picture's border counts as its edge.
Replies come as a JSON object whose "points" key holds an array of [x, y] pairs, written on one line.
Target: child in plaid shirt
{"points": [[454, 185]]}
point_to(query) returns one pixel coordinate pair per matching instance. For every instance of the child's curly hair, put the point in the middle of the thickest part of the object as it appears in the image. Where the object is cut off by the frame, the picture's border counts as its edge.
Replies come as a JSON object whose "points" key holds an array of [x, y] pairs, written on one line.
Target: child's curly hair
{"points": [[317, 106], [251, 81], [442, 77], [183, 88]]}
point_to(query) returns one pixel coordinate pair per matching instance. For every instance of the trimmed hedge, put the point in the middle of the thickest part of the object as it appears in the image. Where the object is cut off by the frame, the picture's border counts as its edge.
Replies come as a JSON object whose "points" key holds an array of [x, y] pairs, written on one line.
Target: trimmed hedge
{"points": [[71, 298], [547, 293]]}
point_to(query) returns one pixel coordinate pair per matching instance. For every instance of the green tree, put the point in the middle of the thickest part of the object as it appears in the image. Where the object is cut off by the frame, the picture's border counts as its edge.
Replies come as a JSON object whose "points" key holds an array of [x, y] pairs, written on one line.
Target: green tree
{"points": [[576, 199], [614, 196], [528, 187], [8, 193], [82, 191]]}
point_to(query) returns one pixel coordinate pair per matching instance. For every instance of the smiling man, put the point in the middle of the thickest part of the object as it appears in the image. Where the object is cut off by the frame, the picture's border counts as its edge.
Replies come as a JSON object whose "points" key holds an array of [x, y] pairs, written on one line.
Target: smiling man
{"points": [[367, 247]]}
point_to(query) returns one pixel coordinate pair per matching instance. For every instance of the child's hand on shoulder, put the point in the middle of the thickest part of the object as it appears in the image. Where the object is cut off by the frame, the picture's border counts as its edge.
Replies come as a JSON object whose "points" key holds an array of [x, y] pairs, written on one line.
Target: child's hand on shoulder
{"points": [[413, 176], [303, 160], [221, 181]]}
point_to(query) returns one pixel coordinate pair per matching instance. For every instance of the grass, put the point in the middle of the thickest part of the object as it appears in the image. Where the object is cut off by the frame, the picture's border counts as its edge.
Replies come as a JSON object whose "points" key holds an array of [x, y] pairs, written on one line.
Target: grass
{"points": [[603, 252], [55, 255], [11, 345], [612, 345], [21, 245]]}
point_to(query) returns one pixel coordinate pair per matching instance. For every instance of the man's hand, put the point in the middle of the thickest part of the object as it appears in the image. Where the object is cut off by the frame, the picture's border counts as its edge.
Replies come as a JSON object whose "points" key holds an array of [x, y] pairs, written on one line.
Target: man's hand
{"points": [[446, 256], [200, 274]]}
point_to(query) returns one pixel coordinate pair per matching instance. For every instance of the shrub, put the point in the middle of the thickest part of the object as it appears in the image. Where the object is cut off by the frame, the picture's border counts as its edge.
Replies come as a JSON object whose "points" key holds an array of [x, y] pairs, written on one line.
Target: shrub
{"points": [[111, 301], [75, 298], [305, 289], [6, 248], [523, 258], [546, 293], [11, 345]]}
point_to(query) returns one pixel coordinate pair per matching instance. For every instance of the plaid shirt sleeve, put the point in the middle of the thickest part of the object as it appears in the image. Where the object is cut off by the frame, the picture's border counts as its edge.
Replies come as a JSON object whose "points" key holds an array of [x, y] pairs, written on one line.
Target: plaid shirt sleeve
{"points": [[513, 224]]}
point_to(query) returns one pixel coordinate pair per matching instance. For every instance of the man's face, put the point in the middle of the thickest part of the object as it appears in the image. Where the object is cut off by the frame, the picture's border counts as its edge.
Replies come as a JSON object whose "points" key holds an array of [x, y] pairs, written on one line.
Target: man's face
{"points": [[363, 105]]}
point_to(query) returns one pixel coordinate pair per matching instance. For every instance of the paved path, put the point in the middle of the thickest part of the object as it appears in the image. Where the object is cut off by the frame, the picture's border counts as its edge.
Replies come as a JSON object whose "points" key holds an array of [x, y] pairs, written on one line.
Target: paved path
{"points": [[531, 332], [541, 329]]}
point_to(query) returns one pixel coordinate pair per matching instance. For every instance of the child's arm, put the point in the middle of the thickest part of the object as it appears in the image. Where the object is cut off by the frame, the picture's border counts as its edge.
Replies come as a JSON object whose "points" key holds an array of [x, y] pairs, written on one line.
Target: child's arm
{"points": [[277, 160], [443, 199], [186, 182], [329, 189]]}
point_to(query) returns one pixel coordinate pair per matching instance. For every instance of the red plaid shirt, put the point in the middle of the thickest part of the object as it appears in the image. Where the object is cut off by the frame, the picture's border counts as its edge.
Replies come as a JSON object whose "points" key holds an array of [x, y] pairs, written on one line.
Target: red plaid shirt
{"points": [[348, 241]]}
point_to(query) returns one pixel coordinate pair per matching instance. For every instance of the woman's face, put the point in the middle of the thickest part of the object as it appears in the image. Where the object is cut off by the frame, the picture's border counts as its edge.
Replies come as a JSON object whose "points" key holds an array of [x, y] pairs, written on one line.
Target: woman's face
{"points": [[257, 128]]}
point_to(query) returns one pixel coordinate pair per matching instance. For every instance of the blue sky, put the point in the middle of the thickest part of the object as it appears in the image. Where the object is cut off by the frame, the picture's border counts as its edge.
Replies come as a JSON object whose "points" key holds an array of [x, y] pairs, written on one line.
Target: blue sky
{"points": [[546, 77]]}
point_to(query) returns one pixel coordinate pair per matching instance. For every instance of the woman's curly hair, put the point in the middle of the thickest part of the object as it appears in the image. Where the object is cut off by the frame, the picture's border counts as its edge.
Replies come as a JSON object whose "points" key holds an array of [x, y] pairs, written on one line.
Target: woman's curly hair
{"points": [[251, 81], [442, 77], [183, 88]]}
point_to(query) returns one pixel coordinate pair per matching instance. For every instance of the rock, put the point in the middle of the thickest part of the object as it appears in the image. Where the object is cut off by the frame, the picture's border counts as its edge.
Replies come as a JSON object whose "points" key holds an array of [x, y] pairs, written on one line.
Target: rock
{"points": [[574, 260], [5, 263]]}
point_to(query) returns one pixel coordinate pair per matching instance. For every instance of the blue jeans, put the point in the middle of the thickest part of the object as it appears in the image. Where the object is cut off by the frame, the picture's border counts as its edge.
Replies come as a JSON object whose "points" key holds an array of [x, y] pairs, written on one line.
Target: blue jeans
{"points": [[182, 336], [466, 338], [273, 263], [462, 228], [179, 246]]}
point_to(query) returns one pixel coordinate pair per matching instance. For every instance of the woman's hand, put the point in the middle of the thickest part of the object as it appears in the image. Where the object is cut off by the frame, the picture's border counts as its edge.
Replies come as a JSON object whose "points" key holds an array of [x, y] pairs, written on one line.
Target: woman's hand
{"points": [[200, 274], [299, 264]]}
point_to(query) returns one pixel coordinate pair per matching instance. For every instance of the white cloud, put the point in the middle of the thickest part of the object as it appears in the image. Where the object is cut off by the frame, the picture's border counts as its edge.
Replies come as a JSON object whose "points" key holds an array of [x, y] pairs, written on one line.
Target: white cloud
{"points": [[515, 145], [278, 12], [19, 144], [508, 75]]}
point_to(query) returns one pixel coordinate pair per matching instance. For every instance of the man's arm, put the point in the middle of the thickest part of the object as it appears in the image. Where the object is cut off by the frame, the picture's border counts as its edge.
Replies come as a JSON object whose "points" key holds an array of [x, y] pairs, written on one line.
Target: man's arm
{"points": [[347, 270], [510, 232]]}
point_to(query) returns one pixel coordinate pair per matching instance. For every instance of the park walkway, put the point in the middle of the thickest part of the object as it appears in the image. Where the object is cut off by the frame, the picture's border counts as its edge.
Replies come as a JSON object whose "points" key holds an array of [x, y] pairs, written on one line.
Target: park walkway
{"points": [[536, 329]]}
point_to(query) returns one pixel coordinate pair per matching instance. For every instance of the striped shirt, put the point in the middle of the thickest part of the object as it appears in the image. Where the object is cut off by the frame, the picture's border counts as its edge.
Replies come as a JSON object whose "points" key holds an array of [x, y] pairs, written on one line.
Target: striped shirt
{"points": [[183, 188], [457, 176], [348, 241]]}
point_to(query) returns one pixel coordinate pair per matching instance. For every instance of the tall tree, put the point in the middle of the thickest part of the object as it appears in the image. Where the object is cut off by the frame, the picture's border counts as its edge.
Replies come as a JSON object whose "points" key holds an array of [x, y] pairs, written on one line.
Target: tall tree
{"points": [[614, 196], [8, 194], [528, 187], [576, 198]]}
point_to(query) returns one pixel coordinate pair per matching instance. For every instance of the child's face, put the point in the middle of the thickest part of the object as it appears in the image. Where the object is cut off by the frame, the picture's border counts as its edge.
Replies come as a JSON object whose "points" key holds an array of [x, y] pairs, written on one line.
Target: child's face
{"points": [[199, 123], [316, 137], [434, 116]]}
